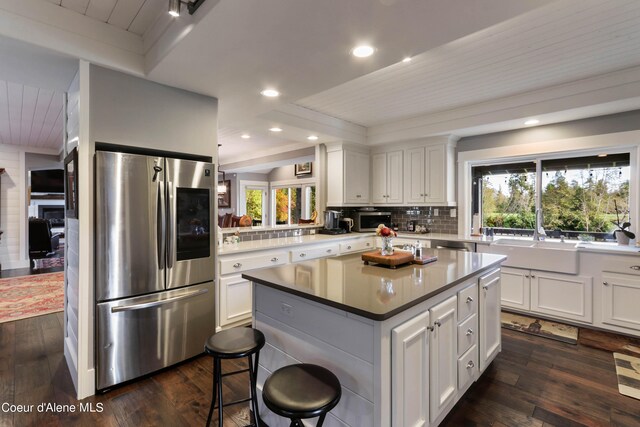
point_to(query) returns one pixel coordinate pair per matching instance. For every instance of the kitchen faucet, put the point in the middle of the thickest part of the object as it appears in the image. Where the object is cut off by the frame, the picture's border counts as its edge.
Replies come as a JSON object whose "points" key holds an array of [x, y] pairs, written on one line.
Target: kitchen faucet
{"points": [[538, 232]]}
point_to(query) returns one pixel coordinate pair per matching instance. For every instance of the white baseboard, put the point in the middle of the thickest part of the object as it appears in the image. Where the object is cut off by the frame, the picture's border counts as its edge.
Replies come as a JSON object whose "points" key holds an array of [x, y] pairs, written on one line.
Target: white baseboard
{"points": [[10, 265]]}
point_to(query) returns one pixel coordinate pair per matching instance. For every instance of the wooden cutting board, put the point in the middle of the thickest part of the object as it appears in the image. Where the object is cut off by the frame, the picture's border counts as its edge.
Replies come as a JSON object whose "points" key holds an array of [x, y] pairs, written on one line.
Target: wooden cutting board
{"points": [[398, 258]]}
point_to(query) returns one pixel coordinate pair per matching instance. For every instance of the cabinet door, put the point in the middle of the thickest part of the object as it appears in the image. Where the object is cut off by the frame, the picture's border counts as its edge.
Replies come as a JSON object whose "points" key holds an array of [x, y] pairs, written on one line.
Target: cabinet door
{"points": [[562, 295], [414, 175], [435, 174], [444, 356], [356, 177], [379, 178], [490, 339], [394, 177], [235, 300], [620, 296], [515, 288], [410, 372]]}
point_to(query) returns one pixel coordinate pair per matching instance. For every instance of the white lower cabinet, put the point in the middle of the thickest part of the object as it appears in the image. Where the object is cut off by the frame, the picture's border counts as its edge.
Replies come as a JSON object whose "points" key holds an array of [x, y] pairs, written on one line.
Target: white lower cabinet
{"points": [[235, 299], [515, 288], [410, 361], [620, 296], [490, 338], [467, 368], [444, 355], [562, 295]]}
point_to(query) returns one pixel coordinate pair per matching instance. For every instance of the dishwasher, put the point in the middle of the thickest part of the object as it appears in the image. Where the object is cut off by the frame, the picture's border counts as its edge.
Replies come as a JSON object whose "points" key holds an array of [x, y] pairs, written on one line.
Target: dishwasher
{"points": [[453, 245]]}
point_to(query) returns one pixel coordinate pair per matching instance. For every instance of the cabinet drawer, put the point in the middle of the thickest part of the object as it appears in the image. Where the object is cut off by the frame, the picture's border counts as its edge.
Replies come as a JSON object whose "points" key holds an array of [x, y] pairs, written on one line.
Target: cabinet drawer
{"points": [[304, 254], [468, 301], [251, 262], [356, 245], [467, 334], [467, 367], [624, 265]]}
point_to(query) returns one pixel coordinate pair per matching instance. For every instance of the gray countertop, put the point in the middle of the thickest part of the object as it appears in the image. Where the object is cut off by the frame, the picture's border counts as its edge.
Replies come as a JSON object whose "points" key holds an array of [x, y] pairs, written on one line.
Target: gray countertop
{"points": [[371, 291]]}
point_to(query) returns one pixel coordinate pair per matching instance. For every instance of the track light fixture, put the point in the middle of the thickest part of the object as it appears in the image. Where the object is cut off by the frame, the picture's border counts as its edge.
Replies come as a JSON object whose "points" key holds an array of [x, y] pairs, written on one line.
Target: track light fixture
{"points": [[192, 6]]}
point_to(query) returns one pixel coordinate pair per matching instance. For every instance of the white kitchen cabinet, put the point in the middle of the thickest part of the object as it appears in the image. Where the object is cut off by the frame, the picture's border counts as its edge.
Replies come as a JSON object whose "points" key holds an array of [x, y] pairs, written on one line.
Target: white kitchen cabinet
{"points": [[235, 300], [515, 288], [348, 176], [357, 245], [620, 296], [429, 175], [307, 253], [443, 356], [410, 372], [562, 295], [490, 338], [387, 177]]}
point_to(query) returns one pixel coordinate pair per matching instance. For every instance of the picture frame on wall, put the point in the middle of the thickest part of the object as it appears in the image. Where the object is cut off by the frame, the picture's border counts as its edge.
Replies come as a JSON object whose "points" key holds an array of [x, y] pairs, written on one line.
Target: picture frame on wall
{"points": [[224, 197], [302, 169], [71, 184]]}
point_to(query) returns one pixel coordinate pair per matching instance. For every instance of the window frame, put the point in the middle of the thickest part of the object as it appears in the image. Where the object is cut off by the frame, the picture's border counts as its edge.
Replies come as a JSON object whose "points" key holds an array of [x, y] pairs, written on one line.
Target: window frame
{"points": [[242, 199], [302, 183]]}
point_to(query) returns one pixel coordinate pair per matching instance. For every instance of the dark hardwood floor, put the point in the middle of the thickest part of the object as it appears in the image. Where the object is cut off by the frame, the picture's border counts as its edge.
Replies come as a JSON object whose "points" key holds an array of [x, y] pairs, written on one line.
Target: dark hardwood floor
{"points": [[533, 382]]}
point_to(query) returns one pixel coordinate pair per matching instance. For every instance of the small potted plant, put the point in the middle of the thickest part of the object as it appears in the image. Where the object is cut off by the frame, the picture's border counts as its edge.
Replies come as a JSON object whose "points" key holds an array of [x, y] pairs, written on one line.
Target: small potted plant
{"points": [[623, 235], [387, 235]]}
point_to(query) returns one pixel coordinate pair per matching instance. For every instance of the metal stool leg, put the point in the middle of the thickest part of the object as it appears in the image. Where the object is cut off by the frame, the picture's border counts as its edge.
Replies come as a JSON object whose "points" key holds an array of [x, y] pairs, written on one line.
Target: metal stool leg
{"points": [[219, 381], [213, 393], [321, 420], [253, 378]]}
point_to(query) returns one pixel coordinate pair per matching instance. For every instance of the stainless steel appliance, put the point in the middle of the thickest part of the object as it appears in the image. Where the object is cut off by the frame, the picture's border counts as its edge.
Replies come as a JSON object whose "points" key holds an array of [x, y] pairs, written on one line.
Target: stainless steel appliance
{"points": [[154, 267], [369, 220], [331, 219]]}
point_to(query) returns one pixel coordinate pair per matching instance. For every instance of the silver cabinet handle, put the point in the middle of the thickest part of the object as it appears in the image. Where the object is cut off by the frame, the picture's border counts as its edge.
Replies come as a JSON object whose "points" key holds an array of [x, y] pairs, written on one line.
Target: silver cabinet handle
{"points": [[328, 251], [526, 275], [426, 194], [302, 255], [237, 265], [469, 331], [605, 283], [533, 277], [470, 365], [274, 259], [469, 300], [635, 267], [358, 195], [485, 287], [437, 323], [431, 328], [368, 244], [349, 247], [151, 304]]}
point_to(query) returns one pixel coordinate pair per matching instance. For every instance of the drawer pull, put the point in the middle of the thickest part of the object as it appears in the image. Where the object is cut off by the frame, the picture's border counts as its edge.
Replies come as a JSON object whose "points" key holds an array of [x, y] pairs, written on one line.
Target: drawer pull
{"points": [[328, 251], [635, 267], [469, 331], [368, 244], [437, 323], [274, 259], [469, 300], [526, 275], [302, 255], [349, 247], [237, 265], [431, 328], [605, 283], [533, 277], [470, 365]]}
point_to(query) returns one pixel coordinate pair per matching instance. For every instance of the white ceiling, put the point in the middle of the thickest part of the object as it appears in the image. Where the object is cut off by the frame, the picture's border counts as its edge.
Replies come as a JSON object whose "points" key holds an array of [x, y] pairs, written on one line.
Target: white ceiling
{"points": [[135, 16], [478, 65]]}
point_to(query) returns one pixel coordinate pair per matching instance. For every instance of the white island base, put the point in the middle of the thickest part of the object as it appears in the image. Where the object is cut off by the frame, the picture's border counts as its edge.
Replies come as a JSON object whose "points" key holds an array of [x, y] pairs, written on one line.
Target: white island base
{"points": [[407, 370]]}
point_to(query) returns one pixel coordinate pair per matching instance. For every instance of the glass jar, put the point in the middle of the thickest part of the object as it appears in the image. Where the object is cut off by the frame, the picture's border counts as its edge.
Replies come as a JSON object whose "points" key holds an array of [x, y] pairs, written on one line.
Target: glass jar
{"points": [[387, 246]]}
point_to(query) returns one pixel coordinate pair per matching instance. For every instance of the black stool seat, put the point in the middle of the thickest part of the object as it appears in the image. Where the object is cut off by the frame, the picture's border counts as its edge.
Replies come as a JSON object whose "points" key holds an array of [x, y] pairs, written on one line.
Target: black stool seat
{"points": [[234, 343], [301, 391]]}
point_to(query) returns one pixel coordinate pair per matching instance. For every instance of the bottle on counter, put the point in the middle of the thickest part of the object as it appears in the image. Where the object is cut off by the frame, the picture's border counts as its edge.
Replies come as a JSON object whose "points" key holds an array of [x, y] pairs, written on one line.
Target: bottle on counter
{"points": [[418, 250]]}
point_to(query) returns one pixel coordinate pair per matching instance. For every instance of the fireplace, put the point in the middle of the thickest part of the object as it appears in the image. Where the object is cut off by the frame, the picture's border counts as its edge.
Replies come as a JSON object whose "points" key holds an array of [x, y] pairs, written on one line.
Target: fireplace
{"points": [[54, 213]]}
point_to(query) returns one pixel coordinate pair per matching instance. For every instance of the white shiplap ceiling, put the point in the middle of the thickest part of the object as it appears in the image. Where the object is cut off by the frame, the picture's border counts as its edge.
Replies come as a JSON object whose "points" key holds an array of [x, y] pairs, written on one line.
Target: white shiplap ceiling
{"points": [[135, 16], [549, 46], [30, 116]]}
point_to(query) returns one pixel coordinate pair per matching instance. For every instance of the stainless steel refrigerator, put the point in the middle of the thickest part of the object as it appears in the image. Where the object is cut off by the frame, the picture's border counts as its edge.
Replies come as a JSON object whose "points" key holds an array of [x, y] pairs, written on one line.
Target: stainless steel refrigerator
{"points": [[154, 268]]}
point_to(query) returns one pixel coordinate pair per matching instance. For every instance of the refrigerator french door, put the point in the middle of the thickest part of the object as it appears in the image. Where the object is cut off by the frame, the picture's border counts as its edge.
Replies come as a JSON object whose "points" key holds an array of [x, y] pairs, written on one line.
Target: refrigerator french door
{"points": [[154, 263]]}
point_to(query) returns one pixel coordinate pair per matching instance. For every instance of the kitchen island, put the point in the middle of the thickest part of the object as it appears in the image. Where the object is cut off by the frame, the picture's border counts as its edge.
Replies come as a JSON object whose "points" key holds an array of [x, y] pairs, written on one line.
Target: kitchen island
{"points": [[406, 344]]}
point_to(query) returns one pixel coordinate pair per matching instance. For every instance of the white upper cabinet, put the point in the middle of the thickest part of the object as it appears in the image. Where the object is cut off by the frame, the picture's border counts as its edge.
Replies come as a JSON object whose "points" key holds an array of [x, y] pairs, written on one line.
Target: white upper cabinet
{"points": [[429, 175], [386, 178], [348, 174]]}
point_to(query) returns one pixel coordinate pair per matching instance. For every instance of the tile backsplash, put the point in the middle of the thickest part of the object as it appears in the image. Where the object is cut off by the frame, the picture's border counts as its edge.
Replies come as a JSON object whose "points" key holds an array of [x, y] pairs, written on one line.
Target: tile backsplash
{"points": [[442, 222], [247, 235]]}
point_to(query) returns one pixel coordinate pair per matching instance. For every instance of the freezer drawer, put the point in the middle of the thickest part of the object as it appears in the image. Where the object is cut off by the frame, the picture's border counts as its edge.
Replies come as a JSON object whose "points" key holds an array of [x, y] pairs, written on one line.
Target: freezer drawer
{"points": [[136, 336]]}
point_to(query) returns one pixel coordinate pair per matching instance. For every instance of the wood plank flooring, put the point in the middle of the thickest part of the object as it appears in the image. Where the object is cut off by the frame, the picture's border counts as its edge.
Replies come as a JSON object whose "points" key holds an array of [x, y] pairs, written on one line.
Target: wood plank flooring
{"points": [[533, 382]]}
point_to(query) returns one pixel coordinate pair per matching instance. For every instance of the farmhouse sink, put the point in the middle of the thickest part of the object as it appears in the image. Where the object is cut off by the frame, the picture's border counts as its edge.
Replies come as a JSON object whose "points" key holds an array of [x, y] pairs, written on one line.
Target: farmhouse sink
{"points": [[560, 257]]}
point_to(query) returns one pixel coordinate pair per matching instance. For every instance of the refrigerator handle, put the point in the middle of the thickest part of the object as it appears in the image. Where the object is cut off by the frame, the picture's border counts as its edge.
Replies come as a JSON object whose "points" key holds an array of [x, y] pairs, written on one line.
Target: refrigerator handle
{"points": [[170, 219], [160, 225], [151, 304]]}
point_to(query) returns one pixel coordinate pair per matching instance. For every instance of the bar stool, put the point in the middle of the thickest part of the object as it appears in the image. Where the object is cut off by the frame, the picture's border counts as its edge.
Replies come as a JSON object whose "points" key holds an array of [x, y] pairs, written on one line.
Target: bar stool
{"points": [[234, 343], [302, 391]]}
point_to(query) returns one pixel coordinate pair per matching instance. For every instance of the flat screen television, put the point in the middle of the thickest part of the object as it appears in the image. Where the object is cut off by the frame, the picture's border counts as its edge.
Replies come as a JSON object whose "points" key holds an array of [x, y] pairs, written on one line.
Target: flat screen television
{"points": [[47, 181]]}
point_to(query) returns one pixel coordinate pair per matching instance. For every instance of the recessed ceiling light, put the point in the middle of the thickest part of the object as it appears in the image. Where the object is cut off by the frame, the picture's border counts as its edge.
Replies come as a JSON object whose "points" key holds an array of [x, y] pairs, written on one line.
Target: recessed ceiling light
{"points": [[362, 51], [602, 155], [245, 136], [407, 59], [276, 129], [312, 138], [270, 93], [531, 122]]}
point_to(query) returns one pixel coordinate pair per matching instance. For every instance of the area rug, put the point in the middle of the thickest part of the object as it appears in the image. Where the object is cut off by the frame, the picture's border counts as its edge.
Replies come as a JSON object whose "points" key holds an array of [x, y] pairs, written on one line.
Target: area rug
{"points": [[30, 296], [628, 371], [541, 328]]}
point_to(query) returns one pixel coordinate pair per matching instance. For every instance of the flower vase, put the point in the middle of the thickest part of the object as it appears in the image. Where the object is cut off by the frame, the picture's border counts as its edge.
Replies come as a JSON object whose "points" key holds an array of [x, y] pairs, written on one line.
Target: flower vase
{"points": [[387, 246], [621, 238]]}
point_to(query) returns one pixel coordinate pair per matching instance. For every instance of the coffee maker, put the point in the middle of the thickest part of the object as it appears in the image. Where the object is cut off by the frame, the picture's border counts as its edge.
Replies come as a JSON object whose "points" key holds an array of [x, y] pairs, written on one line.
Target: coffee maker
{"points": [[332, 223]]}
